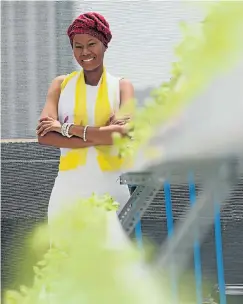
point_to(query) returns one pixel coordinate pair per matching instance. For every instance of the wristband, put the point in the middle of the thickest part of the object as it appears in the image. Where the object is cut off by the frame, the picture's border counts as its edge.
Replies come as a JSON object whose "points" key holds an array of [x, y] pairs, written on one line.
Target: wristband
{"points": [[84, 134], [65, 129]]}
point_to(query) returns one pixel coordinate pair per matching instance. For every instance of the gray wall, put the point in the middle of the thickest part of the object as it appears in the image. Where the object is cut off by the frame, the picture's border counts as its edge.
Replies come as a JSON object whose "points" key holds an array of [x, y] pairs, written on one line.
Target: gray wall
{"points": [[34, 49]]}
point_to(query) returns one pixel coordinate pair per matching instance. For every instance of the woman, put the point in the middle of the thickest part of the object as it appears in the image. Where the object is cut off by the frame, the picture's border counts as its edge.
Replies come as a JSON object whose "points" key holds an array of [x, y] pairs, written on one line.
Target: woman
{"points": [[79, 118]]}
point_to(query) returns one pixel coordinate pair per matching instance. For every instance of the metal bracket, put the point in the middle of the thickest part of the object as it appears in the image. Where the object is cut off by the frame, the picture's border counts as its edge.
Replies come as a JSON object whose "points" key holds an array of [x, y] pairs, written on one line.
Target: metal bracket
{"points": [[137, 204]]}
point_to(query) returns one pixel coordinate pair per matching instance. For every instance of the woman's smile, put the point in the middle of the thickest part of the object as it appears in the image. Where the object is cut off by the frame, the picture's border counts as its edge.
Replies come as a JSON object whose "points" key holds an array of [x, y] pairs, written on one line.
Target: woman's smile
{"points": [[88, 60]]}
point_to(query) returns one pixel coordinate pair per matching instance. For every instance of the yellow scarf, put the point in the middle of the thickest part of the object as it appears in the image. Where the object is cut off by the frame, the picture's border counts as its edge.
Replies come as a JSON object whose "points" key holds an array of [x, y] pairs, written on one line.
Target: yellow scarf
{"points": [[103, 111]]}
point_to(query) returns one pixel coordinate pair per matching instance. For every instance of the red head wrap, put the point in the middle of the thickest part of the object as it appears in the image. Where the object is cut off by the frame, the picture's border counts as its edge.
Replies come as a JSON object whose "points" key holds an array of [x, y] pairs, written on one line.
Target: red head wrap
{"points": [[93, 24]]}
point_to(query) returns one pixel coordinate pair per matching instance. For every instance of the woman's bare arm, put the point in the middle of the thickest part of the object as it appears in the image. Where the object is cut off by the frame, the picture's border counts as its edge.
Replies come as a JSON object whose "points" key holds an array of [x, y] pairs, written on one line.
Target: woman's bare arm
{"points": [[51, 110], [57, 140]]}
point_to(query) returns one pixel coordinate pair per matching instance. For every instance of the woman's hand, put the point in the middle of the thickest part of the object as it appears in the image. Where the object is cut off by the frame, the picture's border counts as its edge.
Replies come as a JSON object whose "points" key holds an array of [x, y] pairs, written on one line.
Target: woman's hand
{"points": [[118, 121], [48, 124]]}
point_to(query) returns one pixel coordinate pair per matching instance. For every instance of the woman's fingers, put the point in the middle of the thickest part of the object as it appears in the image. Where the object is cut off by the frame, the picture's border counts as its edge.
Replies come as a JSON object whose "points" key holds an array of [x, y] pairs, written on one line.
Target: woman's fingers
{"points": [[112, 118], [44, 122], [41, 123], [42, 127], [48, 129], [120, 121], [38, 126]]}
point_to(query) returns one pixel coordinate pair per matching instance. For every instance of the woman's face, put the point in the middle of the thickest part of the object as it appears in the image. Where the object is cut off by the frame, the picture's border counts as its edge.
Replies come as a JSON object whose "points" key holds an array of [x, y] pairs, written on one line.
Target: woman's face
{"points": [[88, 51]]}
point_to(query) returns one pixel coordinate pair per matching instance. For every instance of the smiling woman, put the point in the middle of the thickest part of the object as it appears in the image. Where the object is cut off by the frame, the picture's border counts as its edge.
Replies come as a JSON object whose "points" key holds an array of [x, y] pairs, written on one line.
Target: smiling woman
{"points": [[79, 117], [89, 52]]}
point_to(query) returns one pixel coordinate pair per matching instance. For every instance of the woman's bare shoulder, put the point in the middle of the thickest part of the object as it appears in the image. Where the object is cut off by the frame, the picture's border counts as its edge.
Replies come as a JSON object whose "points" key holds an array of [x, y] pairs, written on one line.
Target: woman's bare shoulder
{"points": [[59, 79], [57, 83]]}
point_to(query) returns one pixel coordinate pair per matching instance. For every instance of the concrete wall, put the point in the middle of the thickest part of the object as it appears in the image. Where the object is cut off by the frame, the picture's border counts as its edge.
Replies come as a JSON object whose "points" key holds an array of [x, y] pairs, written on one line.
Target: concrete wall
{"points": [[34, 50]]}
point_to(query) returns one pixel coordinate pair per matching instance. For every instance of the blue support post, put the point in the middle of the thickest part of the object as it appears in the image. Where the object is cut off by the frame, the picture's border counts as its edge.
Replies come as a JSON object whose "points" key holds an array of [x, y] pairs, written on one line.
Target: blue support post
{"points": [[219, 255], [196, 248], [138, 233]]}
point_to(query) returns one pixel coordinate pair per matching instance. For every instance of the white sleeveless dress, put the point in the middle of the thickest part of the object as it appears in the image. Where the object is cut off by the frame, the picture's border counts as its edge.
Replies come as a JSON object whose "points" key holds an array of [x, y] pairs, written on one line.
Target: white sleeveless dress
{"points": [[83, 181]]}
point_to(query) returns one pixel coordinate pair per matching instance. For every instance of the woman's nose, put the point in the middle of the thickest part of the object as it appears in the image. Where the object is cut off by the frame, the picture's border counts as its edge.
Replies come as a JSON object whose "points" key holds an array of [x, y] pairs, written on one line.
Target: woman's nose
{"points": [[85, 51]]}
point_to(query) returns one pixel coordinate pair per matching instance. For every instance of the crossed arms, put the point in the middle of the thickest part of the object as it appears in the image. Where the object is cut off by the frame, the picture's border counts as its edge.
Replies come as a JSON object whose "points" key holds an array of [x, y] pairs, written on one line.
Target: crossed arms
{"points": [[49, 128]]}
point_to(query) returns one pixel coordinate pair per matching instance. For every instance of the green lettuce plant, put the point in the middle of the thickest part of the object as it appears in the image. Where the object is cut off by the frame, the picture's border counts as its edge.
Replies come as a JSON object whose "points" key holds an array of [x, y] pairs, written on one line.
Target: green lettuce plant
{"points": [[206, 50]]}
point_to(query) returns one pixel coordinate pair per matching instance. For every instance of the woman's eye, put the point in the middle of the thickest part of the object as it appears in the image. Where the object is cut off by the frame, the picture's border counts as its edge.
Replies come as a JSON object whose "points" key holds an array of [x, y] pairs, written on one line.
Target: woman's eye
{"points": [[78, 46], [92, 44]]}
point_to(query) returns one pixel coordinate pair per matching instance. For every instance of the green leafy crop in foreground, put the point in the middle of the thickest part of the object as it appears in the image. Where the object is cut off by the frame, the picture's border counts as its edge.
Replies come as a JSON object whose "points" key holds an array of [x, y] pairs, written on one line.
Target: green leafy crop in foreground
{"points": [[206, 50], [81, 268]]}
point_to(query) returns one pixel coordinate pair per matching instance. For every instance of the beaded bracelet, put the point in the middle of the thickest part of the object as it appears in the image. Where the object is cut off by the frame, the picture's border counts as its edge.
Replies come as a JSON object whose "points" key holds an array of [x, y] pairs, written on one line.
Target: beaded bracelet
{"points": [[84, 134], [65, 129]]}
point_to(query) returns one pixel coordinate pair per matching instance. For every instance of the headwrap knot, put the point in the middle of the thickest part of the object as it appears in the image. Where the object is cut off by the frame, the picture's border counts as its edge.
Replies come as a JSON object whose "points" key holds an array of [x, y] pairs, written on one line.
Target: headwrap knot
{"points": [[93, 24]]}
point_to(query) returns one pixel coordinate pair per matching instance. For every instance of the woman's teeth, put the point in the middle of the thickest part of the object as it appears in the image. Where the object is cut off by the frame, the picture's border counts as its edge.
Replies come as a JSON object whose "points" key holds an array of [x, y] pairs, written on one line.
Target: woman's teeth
{"points": [[87, 60]]}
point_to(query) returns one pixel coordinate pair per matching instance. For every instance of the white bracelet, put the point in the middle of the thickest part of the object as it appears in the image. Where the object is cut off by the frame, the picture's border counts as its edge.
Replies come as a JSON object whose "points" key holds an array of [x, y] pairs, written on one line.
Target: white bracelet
{"points": [[84, 134], [65, 129]]}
